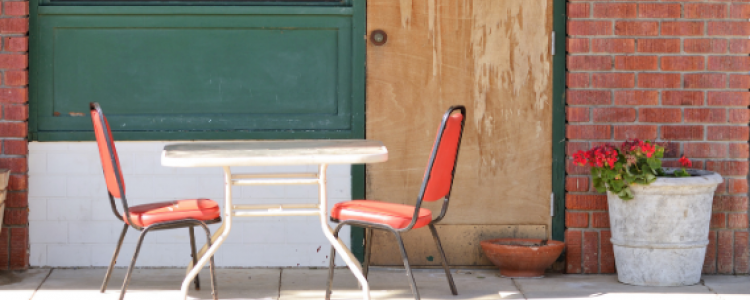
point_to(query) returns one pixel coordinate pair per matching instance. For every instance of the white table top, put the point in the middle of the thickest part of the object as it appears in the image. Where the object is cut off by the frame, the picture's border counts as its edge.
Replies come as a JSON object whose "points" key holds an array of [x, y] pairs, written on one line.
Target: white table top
{"points": [[273, 153]]}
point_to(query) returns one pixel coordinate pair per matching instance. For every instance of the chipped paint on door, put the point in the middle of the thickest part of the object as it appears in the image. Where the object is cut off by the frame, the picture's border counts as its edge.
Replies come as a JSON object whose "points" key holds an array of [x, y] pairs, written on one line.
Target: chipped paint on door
{"points": [[491, 56]]}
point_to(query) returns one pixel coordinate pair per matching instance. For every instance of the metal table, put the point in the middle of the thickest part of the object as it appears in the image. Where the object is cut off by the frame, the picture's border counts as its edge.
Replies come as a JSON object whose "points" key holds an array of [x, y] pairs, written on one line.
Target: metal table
{"points": [[274, 153]]}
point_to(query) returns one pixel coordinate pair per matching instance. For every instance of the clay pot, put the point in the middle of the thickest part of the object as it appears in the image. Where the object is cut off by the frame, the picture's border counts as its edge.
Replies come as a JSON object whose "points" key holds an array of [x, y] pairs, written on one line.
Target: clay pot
{"points": [[522, 261]]}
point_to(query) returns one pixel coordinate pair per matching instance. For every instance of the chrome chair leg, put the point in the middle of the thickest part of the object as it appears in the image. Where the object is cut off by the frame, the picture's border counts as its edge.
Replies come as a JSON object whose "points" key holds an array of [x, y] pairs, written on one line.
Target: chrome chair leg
{"points": [[195, 257], [132, 263], [368, 250], [406, 264], [444, 260], [114, 259]]}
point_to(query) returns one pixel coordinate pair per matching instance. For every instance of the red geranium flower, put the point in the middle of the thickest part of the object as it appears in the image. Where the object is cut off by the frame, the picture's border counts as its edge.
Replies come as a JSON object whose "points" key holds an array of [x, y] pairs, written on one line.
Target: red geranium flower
{"points": [[639, 147], [685, 162], [599, 156]]}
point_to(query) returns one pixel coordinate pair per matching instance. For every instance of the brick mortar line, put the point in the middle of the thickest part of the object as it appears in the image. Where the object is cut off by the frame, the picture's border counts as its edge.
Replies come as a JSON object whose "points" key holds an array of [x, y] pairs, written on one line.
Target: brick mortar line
{"points": [[648, 37], [597, 210], [580, 210], [595, 193], [621, 71], [646, 19], [712, 142], [647, 89], [682, 17], [665, 37], [658, 55], [680, 123], [14, 226]]}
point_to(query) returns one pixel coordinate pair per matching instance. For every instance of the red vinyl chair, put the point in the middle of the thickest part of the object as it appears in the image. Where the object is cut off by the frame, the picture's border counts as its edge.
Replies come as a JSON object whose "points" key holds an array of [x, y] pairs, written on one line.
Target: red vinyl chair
{"points": [[153, 216], [398, 218]]}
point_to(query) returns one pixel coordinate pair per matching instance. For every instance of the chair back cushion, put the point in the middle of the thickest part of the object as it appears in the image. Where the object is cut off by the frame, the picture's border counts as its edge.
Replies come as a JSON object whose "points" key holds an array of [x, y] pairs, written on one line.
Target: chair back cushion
{"points": [[103, 133], [441, 176]]}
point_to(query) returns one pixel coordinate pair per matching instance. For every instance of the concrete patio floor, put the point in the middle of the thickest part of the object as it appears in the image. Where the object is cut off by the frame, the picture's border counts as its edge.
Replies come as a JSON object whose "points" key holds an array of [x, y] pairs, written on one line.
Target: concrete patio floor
{"points": [[271, 284]]}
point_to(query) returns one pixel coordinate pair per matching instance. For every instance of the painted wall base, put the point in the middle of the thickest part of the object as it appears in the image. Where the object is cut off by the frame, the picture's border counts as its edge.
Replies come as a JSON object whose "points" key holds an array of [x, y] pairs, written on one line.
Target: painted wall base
{"points": [[72, 225]]}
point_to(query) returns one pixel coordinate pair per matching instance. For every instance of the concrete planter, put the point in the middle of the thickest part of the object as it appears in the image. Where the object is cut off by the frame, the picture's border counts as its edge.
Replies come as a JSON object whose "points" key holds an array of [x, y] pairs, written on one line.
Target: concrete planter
{"points": [[660, 236]]}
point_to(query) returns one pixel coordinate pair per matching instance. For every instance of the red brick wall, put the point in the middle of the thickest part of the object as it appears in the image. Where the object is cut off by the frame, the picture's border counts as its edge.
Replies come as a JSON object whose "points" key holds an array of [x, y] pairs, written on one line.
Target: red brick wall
{"points": [[14, 237], [673, 72]]}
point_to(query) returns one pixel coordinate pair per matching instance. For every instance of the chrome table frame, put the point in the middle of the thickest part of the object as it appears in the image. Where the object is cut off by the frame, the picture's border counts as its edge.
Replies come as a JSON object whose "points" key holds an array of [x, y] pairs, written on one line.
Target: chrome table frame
{"points": [[228, 154]]}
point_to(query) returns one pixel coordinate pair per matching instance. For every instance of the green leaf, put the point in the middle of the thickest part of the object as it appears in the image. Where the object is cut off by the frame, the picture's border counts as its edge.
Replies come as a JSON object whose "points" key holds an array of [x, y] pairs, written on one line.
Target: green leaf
{"points": [[628, 178], [681, 173], [627, 171], [616, 185], [628, 193], [599, 185], [650, 178], [659, 153], [646, 169]]}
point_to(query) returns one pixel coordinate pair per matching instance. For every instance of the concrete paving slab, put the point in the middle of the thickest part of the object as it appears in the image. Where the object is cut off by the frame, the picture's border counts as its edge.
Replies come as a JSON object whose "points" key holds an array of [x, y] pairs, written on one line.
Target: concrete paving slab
{"points": [[386, 283], [156, 283], [728, 287], [433, 284], [287, 284], [20, 285], [311, 284], [557, 286]]}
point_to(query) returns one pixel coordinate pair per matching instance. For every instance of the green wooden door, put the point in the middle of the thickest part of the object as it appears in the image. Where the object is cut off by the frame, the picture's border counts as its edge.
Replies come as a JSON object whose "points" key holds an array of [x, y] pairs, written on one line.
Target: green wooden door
{"points": [[200, 70], [287, 70]]}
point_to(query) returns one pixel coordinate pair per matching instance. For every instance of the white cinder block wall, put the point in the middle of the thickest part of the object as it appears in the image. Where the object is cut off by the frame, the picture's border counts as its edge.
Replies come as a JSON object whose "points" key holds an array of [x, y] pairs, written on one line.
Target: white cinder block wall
{"points": [[72, 225]]}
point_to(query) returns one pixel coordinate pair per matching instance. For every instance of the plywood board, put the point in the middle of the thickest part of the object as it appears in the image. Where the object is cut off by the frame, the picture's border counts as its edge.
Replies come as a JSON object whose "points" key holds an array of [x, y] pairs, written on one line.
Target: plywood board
{"points": [[460, 242], [491, 56]]}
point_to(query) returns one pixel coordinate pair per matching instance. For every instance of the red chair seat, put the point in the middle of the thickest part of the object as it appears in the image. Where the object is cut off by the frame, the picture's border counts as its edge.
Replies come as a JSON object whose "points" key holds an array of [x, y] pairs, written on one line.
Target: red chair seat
{"points": [[198, 209], [395, 215]]}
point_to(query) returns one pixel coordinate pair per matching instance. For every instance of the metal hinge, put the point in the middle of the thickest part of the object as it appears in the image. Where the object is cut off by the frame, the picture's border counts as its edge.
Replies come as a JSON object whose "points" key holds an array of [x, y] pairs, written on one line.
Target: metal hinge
{"points": [[553, 43], [552, 204]]}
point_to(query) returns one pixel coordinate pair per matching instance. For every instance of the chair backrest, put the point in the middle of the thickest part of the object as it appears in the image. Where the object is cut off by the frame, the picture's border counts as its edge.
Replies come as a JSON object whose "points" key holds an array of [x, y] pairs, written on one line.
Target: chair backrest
{"points": [[438, 178], [107, 152]]}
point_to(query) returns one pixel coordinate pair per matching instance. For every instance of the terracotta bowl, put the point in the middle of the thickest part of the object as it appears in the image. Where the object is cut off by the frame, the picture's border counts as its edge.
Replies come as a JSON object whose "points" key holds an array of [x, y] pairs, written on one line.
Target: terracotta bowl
{"points": [[522, 261]]}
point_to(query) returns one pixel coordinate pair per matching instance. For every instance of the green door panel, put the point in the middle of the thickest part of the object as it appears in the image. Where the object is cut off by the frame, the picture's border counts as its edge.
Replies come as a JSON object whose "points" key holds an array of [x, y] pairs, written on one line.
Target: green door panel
{"points": [[131, 69], [253, 71]]}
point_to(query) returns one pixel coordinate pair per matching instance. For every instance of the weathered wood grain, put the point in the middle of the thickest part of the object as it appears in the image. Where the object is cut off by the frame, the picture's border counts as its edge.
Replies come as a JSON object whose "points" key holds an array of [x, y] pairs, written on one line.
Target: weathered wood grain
{"points": [[494, 58]]}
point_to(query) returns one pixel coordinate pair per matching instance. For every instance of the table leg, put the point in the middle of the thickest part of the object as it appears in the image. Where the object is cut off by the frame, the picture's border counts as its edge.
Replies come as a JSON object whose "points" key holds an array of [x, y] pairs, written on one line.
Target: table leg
{"points": [[217, 239], [346, 255]]}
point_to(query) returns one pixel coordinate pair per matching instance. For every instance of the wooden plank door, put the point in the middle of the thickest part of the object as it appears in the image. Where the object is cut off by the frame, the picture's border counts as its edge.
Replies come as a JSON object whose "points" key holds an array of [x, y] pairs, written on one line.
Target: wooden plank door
{"points": [[493, 57]]}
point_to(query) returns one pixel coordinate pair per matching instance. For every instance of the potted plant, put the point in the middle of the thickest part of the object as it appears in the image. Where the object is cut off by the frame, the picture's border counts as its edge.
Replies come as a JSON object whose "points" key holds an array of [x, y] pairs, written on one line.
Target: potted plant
{"points": [[659, 217]]}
